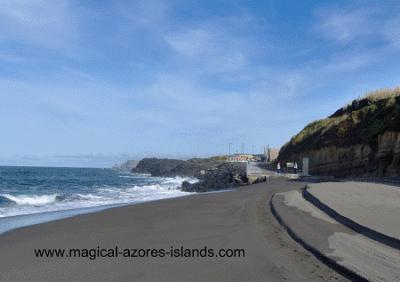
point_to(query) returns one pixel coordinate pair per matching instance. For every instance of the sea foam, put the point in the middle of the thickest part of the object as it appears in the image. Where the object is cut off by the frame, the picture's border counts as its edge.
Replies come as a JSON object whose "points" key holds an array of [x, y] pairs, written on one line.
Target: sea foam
{"points": [[31, 199], [144, 189]]}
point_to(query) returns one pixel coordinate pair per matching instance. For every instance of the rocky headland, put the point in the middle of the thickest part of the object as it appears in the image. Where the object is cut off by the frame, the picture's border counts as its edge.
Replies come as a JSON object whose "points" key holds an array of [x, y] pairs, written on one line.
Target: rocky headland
{"points": [[214, 173], [360, 139]]}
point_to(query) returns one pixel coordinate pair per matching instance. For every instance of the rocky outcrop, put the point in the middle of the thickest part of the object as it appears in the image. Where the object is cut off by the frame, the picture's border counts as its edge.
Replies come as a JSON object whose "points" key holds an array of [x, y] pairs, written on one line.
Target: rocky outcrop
{"points": [[173, 167], [213, 173], [227, 175], [362, 139], [157, 167]]}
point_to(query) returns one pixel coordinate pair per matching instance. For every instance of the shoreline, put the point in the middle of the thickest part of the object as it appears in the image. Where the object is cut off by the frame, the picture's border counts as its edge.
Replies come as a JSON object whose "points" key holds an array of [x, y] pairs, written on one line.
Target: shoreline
{"points": [[26, 220], [100, 189], [234, 219]]}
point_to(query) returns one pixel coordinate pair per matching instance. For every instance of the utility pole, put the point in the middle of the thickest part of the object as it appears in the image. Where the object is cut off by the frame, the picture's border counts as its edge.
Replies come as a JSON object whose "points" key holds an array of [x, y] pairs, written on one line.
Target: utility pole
{"points": [[242, 148], [230, 144]]}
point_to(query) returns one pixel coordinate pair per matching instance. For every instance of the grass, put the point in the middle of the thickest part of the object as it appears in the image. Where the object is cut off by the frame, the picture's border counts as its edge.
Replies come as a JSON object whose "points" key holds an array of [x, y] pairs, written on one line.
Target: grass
{"points": [[385, 93], [350, 118], [388, 94], [318, 126]]}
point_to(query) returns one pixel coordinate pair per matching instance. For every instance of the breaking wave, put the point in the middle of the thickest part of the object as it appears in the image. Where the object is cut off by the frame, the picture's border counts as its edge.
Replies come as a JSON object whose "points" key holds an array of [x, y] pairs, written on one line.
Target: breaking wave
{"points": [[146, 189], [33, 200]]}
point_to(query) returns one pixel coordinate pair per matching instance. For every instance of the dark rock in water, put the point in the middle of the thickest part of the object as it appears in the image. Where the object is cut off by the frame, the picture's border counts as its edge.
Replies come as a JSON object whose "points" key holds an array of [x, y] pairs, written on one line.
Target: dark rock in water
{"points": [[186, 186], [226, 175]]}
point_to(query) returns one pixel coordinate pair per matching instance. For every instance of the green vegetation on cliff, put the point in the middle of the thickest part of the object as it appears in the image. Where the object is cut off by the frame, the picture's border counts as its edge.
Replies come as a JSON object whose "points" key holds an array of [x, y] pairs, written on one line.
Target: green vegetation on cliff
{"points": [[360, 122]]}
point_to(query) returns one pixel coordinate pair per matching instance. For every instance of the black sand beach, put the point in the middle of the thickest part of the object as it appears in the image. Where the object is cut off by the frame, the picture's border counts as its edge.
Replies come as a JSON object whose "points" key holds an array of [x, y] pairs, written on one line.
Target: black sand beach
{"points": [[238, 219]]}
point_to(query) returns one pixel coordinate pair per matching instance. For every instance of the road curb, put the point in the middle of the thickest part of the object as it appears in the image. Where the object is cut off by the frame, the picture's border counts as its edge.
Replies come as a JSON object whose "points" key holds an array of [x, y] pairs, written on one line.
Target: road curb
{"points": [[367, 232], [348, 273]]}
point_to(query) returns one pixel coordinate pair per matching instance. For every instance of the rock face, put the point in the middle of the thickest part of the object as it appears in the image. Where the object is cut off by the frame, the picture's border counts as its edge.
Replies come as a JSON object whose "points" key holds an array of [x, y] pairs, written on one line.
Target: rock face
{"points": [[362, 139], [227, 175]]}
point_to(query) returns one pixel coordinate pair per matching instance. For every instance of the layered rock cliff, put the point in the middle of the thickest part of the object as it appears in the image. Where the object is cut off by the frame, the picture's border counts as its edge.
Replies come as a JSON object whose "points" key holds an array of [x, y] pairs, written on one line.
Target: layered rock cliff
{"points": [[361, 139]]}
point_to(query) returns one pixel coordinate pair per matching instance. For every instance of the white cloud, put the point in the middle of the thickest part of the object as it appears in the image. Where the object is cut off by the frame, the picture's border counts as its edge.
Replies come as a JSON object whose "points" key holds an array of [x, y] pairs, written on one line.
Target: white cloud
{"points": [[349, 62], [145, 13], [345, 25], [191, 42], [211, 51], [43, 23], [218, 45], [150, 15], [187, 104]]}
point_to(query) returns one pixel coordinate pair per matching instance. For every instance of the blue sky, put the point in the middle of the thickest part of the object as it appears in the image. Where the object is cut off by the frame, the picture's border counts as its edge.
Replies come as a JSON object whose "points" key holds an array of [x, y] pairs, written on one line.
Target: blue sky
{"points": [[98, 81]]}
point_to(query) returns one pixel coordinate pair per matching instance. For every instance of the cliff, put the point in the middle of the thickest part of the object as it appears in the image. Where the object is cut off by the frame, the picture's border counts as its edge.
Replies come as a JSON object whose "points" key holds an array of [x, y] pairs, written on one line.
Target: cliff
{"points": [[360, 139]]}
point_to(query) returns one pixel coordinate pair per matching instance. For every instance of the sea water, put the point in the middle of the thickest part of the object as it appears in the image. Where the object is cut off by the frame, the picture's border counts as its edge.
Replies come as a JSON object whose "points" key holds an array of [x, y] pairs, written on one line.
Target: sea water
{"points": [[31, 195]]}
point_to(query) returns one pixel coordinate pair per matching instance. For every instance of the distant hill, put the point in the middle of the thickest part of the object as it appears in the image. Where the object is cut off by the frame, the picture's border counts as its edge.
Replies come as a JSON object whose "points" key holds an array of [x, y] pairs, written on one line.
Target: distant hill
{"points": [[360, 139]]}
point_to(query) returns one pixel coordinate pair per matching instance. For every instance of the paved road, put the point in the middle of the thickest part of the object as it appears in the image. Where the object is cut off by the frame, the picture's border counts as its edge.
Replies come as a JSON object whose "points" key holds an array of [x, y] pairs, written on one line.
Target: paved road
{"points": [[234, 219], [254, 170], [376, 206], [351, 250]]}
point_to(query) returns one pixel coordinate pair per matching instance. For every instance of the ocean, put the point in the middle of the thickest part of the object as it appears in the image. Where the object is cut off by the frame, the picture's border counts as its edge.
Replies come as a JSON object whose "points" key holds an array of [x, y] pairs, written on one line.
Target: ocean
{"points": [[31, 195]]}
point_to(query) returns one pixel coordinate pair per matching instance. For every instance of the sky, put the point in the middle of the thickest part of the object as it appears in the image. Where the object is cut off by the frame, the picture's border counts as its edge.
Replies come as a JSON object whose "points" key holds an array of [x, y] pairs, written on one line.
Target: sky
{"points": [[90, 82]]}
